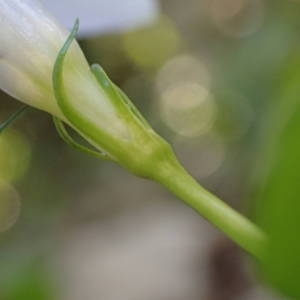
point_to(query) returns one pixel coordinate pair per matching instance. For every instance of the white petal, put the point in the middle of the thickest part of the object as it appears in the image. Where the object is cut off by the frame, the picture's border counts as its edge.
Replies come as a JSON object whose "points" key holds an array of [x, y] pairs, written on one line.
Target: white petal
{"points": [[18, 85], [102, 16], [26, 27], [30, 39]]}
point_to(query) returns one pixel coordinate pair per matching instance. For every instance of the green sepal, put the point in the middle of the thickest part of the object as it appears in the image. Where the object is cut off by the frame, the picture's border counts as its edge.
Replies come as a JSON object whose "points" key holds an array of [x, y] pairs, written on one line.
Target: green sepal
{"points": [[115, 93], [105, 82], [63, 133], [132, 107], [12, 118], [75, 118], [118, 147]]}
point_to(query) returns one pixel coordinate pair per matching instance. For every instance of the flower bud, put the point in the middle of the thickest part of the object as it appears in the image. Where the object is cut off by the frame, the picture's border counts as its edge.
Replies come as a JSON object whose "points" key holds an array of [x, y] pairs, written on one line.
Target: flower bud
{"points": [[39, 67]]}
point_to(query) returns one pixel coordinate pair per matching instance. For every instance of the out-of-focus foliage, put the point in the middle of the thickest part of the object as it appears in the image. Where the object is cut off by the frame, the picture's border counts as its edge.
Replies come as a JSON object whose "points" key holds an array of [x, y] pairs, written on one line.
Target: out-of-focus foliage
{"points": [[278, 204], [14, 155], [26, 282]]}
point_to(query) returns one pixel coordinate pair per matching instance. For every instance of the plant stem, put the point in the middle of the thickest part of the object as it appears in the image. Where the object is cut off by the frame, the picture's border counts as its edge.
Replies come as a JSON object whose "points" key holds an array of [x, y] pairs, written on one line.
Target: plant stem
{"points": [[12, 118], [241, 230]]}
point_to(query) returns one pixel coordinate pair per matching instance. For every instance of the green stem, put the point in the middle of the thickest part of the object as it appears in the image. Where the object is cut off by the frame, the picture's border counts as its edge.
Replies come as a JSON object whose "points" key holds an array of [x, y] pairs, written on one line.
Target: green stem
{"points": [[241, 230], [12, 118]]}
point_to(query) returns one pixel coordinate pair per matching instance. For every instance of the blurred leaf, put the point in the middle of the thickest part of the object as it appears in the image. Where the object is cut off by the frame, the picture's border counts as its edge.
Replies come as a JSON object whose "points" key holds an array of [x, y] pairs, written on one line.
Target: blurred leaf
{"points": [[29, 282], [150, 47], [279, 203]]}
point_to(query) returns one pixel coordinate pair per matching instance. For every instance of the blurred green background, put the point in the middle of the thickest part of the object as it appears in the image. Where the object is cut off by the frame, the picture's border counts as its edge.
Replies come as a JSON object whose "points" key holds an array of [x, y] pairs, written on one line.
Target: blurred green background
{"points": [[219, 79]]}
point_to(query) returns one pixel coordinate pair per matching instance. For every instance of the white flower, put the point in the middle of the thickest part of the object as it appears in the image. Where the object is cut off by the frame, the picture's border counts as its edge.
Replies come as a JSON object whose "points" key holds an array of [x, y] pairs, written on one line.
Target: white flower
{"points": [[30, 39]]}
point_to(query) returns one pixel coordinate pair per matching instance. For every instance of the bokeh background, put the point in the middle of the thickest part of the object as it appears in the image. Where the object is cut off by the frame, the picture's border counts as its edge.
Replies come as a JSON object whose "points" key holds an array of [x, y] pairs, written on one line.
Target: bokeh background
{"points": [[216, 78]]}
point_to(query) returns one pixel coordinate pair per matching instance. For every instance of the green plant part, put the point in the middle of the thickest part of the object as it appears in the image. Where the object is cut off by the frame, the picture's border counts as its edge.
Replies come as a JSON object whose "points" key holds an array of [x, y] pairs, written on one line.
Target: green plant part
{"points": [[63, 133], [13, 118]]}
